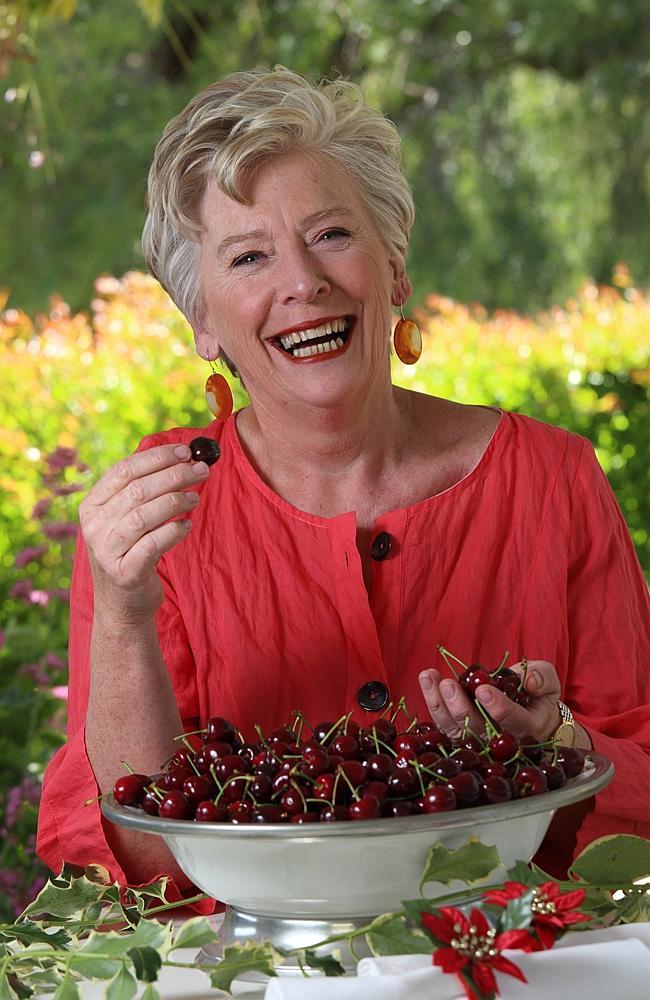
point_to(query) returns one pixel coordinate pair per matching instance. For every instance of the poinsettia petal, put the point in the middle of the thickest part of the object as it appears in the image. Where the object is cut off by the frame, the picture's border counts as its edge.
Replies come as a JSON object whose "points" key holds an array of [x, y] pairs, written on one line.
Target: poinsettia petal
{"points": [[503, 964], [501, 897], [547, 937], [570, 900], [576, 918], [449, 960], [516, 940], [439, 927], [467, 985], [483, 977], [456, 917], [479, 920]]}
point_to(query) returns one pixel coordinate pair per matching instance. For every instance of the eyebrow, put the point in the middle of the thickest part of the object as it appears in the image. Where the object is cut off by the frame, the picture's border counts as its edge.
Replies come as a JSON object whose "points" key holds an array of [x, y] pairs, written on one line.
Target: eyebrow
{"points": [[259, 234]]}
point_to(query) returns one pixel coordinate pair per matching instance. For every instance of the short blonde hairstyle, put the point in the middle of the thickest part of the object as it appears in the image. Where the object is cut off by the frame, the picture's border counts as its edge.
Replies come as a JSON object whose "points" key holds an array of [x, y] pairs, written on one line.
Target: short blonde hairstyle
{"points": [[233, 126]]}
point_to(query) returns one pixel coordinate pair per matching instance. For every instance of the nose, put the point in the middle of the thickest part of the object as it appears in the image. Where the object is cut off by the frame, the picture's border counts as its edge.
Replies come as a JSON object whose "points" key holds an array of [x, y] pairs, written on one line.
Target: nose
{"points": [[303, 277]]}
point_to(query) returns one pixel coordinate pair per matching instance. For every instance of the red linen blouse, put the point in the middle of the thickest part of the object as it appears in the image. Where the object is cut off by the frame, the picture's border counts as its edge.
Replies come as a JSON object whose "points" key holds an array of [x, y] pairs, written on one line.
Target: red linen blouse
{"points": [[266, 611]]}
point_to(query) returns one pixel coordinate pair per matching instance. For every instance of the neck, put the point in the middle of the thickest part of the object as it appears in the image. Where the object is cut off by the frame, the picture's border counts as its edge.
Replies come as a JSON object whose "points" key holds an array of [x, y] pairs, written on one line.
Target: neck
{"points": [[321, 458]]}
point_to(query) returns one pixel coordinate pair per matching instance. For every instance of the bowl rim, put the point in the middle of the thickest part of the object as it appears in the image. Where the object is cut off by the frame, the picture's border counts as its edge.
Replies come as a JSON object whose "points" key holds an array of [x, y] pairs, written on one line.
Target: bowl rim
{"points": [[598, 773]]}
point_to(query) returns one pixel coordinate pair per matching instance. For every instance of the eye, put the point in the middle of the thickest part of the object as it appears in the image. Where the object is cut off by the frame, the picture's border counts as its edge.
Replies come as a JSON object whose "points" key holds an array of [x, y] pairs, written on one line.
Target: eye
{"points": [[250, 257], [336, 233]]}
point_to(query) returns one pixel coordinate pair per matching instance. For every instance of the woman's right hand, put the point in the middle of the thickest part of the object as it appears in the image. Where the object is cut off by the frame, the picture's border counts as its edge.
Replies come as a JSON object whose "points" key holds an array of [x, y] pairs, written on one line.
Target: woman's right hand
{"points": [[125, 522]]}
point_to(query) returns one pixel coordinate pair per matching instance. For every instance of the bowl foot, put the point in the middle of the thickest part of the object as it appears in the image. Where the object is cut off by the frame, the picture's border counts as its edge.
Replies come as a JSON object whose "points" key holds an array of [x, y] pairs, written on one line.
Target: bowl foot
{"points": [[287, 934]]}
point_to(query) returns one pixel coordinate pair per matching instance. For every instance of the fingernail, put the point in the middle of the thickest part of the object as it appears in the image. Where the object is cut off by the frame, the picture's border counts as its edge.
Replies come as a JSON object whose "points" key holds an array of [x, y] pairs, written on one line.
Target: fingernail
{"points": [[534, 680], [200, 469], [426, 682], [485, 694], [182, 451], [447, 688]]}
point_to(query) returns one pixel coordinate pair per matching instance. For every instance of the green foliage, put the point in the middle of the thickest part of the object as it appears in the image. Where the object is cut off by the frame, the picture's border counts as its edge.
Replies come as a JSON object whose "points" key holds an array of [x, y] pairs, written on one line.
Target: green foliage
{"points": [[525, 129]]}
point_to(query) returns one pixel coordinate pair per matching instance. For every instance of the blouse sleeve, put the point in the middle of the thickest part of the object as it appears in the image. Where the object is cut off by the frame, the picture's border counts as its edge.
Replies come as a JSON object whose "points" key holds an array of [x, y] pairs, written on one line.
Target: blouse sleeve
{"points": [[608, 683], [71, 826]]}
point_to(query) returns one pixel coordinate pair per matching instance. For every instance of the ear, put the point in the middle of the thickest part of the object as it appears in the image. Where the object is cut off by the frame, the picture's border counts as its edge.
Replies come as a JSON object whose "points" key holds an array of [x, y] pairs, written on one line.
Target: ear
{"points": [[402, 287], [207, 346]]}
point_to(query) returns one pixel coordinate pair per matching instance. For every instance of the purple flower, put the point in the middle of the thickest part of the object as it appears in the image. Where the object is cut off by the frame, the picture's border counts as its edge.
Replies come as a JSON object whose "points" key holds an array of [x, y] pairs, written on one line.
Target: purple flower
{"points": [[36, 672], [63, 593], [41, 507], [64, 491], [29, 554], [21, 590], [58, 530], [55, 662], [61, 458]]}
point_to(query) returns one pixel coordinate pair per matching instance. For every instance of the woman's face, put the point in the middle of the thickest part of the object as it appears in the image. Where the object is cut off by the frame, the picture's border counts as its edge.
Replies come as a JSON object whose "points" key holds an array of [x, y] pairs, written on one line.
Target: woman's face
{"points": [[297, 285]]}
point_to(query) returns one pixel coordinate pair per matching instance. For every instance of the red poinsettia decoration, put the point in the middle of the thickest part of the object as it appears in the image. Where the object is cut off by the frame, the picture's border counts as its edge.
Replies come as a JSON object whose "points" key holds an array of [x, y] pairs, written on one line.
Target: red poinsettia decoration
{"points": [[552, 910], [472, 949]]}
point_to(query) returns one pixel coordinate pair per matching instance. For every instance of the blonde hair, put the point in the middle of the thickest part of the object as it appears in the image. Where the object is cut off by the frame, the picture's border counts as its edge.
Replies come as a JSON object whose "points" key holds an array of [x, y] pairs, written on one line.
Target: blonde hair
{"points": [[230, 128]]}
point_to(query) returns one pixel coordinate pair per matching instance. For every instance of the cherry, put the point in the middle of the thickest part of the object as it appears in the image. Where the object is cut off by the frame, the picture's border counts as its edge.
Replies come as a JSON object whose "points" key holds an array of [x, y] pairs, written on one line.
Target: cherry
{"points": [[378, 766], [504, 746], [492, 768], [149, 803], [468, 759], [529, 780], [304, 817], [467, 787], [354, 771], [346, 746], [405, 758], [472, 678], [226, 767], [209, 754], [292, 801], [240, 811], [315, 761], [377, 788], [261, 787], [208, 812], [369, 807], [174, 805], [571, 760], [495, 789], [175, 777], [399, 808], [196, 788], [129, 789], [403, 781], [446, 767], [408, 741], [205, 450], [269, 812], [337, 814], [439, 798], [555, 775], [323, 732]]}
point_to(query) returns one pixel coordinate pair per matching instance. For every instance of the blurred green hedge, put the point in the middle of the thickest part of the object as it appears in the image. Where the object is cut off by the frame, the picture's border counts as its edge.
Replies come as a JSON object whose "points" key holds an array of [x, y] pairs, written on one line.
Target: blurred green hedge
{"points": [[79, 391]]}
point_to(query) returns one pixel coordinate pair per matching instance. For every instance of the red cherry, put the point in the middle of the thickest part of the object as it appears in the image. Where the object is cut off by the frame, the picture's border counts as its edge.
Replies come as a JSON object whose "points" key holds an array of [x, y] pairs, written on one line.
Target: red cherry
{"points": [[269, 812], [240, 811], [467, 787], [219, 729], [571, 760], [304, 817], [196, 788], [208, 812], [377, 788], [408, 741], [369, 807], [439, 798], [129, 789], [346, 746], [175, 806], [378, 765], [354, 771], [504, 746], [338, 814], [529, 780], [495, 789]]}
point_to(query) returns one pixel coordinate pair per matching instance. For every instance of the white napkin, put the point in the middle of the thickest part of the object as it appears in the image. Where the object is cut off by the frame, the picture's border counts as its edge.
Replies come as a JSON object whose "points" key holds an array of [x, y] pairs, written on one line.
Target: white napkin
{"points": [[594, 964]]}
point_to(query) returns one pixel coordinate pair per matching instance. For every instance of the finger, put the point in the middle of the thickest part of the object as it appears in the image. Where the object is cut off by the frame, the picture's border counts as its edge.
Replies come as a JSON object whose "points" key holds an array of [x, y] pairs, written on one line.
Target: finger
{"points": [[536, 720], [540, 677], [145, 519], [447, 703], [145, 555], [135, 467]]}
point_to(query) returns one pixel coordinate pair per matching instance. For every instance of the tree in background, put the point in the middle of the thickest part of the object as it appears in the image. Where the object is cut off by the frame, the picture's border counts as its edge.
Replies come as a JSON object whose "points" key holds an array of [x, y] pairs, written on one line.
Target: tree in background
{"points": [[526, 128]]}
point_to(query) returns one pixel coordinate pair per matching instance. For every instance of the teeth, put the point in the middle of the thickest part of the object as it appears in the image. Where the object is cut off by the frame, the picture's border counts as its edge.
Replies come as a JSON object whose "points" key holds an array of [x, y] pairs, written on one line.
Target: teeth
{"points": [[290, 340], [339, 342]]}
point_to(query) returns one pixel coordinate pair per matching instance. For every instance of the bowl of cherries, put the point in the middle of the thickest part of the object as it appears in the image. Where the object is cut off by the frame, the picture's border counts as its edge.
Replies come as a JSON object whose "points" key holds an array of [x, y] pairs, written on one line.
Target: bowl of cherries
{"points": [[309, 829]]}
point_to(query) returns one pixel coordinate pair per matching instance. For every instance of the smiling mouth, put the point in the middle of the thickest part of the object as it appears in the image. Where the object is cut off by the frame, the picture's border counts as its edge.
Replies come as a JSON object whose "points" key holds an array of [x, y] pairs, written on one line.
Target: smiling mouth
{"points": [[328, 338]]}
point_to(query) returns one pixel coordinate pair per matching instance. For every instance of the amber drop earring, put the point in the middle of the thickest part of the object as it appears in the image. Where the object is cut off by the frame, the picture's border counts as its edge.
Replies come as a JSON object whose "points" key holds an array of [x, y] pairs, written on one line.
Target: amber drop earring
{"points": [[218, 394], [407, 339]]}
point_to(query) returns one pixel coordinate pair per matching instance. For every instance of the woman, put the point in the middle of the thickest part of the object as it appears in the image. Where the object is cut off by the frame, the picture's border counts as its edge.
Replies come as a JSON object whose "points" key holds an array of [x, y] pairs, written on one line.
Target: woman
{"points": [[350, 526]]}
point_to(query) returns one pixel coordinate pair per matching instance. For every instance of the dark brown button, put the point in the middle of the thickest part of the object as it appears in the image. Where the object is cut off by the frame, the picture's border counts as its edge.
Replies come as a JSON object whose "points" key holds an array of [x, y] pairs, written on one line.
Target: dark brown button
{"points": [[373, 696], [381, 546]]}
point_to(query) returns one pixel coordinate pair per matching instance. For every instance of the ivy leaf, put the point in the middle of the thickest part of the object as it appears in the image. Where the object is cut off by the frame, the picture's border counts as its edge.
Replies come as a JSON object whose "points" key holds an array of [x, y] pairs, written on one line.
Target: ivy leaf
{"points": [[240, 958], [68, 990], [122, 987], [389, 935], [146, 962], [194, 933], [518, 914], [66, 900], [469, 863], [621, 857], [326, 963], [27, 932]]}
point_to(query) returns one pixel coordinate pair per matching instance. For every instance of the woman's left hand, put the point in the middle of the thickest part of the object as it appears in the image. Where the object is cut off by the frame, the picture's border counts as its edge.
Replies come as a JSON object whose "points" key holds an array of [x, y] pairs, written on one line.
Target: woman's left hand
{"points": [[451, 708]]}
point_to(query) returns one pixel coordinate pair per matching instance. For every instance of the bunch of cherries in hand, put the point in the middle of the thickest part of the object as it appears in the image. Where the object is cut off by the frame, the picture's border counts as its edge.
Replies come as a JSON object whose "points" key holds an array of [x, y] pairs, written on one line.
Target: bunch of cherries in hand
{"points": [[338, 771]]}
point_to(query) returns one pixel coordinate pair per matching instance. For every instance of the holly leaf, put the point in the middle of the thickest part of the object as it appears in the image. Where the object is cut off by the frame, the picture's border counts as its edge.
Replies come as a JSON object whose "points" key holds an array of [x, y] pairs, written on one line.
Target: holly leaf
{"points": [[27, 932], [526, 874], [634, 906], [64, 899], [6, 992], [327, 964], [156, 890], [518, 914], [240, 958], [622, 858], [68, 990], [95, 967], [122, 987], [146, 962], [194, 933], [150, 993], [469, 863], [390, 935]]}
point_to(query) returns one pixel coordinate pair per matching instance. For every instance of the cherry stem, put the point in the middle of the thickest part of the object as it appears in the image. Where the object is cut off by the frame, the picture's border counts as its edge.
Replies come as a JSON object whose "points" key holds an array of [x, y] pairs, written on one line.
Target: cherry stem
{"points": [[490, 726], [493, 673], [128, 767], [447, 657], [335, 725], [341, 772], [524, 671]]}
